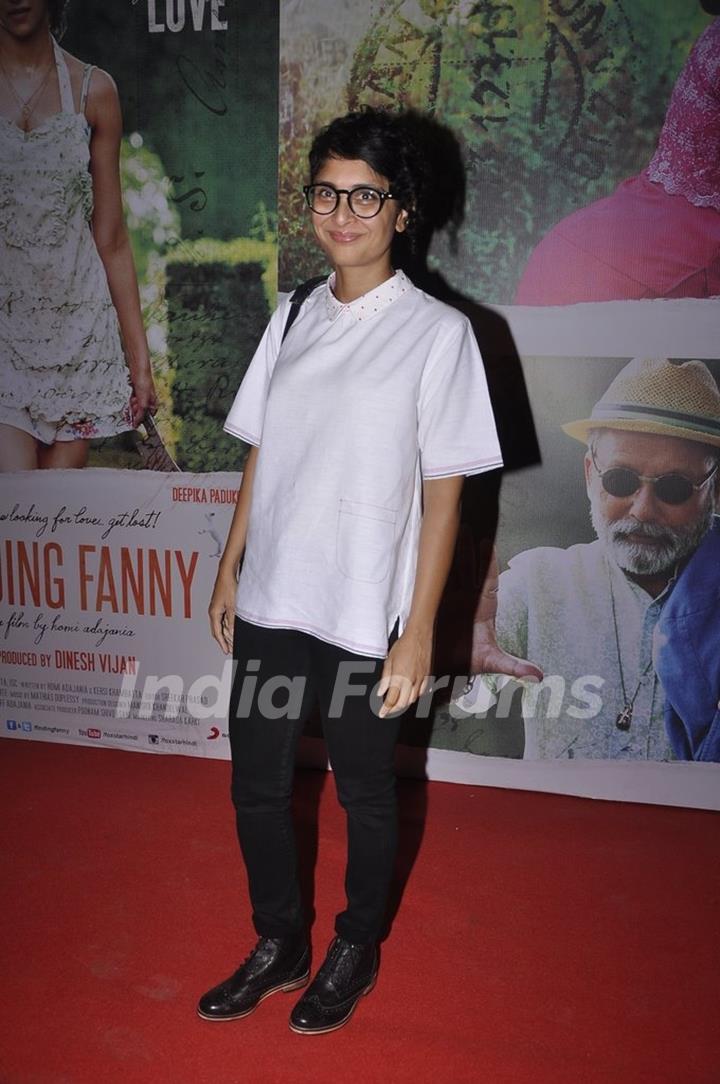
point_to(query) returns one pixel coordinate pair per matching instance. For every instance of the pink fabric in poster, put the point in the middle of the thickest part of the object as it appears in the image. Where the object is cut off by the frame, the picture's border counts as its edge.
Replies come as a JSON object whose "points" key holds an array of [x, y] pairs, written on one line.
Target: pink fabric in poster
{"points": [[687, 159], [637, 243], [658, 234]]}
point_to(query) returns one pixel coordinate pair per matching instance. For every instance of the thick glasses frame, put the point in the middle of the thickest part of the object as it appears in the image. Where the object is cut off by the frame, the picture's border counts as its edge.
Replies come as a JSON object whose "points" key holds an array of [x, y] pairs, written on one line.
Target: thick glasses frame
{"points": [[349, 192], [659, 483]]}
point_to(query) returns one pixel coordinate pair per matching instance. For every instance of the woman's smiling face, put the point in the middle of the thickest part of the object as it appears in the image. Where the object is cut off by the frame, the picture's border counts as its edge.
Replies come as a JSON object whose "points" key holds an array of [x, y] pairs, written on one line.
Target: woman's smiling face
{"points": [[350, 242], [23, 17]]}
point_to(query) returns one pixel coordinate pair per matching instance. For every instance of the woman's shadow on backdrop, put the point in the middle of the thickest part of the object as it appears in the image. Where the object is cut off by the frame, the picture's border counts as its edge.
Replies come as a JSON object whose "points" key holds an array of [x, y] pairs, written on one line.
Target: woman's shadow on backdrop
{"points": [[445, 199]]}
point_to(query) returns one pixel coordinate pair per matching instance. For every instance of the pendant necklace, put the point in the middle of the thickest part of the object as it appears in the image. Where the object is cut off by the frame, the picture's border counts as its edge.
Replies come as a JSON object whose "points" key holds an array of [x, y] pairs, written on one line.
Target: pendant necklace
{"points": [[26, 106], [624, 717]]}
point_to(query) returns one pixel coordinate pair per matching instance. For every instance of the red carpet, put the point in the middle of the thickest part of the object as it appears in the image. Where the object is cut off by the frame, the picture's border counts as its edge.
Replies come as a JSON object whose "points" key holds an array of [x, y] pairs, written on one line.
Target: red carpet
{"points": [[540, 938]]}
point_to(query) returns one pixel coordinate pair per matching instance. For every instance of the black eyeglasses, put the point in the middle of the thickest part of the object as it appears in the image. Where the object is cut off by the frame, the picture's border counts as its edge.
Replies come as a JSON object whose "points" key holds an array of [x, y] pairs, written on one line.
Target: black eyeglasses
{"points": [[363, 200], [668, 488]]}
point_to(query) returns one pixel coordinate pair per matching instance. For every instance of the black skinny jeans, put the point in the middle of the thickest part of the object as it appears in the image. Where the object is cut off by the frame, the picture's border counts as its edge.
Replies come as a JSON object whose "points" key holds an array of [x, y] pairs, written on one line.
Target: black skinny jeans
{"points": [[361, 751]]}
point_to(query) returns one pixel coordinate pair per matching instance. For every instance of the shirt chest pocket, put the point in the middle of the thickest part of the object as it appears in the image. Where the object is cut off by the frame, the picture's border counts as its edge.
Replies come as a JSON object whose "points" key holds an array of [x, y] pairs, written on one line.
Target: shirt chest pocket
{"points": [[365, 540]]}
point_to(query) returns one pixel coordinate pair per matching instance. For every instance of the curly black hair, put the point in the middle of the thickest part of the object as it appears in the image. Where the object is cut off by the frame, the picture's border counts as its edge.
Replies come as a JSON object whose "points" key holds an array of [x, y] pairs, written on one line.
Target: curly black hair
{"points": [[57, 15], [384, 140]]}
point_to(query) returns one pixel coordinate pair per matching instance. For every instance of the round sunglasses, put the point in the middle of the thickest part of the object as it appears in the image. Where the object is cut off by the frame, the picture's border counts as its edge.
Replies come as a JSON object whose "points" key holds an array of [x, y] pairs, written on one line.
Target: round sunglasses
{"points": [[668, 488]]}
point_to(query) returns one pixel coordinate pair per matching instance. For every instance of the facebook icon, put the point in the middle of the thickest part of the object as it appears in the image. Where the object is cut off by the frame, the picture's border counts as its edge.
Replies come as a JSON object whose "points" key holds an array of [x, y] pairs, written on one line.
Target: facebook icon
{"points": [[11, 724]]}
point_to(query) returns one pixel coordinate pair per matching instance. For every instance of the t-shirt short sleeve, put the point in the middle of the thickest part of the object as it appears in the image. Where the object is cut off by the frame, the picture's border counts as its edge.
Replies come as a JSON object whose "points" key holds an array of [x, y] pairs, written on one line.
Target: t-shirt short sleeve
{"points": [[456, 425], [245, 417]]}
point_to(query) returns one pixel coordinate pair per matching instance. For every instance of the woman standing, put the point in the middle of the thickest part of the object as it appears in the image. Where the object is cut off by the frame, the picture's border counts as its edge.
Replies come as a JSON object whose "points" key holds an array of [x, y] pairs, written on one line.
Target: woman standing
{"points": [[67, 277], [362, 422]]}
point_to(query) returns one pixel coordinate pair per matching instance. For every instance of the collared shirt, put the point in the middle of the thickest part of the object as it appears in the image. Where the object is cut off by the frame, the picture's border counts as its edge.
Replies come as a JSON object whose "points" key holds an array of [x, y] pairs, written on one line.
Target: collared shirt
{"points": [[590, 628], [366, 307], [362, 402]]}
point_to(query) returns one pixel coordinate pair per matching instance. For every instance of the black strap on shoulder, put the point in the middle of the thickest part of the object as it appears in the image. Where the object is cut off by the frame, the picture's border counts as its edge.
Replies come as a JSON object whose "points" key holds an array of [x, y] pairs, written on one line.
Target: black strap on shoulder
{"points": [[300, 294]]}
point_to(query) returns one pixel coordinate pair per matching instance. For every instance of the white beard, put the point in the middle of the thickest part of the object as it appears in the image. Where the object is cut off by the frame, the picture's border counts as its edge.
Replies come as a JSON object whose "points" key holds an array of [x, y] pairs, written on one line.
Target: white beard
{"points": [[670, 545]]}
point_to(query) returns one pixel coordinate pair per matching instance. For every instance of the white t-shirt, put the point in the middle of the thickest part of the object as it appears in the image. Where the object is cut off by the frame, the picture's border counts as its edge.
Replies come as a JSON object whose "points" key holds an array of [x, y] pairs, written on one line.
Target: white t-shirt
{"points": [[362, 402]]}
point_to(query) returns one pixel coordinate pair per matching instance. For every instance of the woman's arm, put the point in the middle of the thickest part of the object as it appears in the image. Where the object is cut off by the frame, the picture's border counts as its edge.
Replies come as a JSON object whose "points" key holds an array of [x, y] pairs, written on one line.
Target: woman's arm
{"points": [[111, 236], [407, 665], [222, 604]]}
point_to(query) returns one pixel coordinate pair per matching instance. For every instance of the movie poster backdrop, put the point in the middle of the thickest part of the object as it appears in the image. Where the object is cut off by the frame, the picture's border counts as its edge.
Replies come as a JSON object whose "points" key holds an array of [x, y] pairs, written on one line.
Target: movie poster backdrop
{"points": [[104, 589], [106, 572], [588, 135], [104, 581], [198, 90], [576, 122]]}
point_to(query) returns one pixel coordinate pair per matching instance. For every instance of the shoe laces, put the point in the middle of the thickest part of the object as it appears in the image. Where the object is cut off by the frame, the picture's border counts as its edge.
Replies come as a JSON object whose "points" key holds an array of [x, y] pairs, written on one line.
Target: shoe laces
{"points": [[258, 950], [342, 959]]}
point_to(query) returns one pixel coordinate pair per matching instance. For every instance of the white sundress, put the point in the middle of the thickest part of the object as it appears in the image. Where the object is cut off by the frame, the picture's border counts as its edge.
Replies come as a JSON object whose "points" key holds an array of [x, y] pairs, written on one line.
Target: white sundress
{"points": [[61, 358]]}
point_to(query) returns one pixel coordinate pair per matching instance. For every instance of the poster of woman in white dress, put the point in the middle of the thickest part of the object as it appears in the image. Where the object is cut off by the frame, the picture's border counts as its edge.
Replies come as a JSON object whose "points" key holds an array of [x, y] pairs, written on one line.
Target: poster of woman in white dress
{"points": [[138, 228]]}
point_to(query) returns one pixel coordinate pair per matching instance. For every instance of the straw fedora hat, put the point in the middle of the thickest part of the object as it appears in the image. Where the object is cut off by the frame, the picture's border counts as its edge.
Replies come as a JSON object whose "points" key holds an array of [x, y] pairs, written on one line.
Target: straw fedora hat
{"points": [[654, 395]]}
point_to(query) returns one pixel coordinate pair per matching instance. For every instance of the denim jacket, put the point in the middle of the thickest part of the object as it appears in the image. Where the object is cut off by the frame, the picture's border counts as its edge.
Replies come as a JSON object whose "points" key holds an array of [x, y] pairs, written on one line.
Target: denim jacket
{"points": [[687, 654]]}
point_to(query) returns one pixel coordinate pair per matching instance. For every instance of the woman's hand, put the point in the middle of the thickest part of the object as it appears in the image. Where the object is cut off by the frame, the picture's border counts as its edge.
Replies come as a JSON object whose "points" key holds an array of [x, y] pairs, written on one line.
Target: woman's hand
{"points": [[222, 604], [222, 609], [405, 672], [144, 397]]}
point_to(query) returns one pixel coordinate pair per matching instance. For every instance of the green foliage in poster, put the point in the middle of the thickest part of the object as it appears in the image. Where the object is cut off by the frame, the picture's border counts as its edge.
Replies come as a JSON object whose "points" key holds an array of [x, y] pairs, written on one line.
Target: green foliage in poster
{"points": [[553, 105], [152, 220], [205, 101], [219, 296]]}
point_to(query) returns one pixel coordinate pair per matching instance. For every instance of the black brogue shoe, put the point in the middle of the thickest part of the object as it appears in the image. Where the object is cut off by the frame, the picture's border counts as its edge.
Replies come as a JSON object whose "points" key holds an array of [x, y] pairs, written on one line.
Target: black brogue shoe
{"points": [[276, 963], [347, 973]]}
